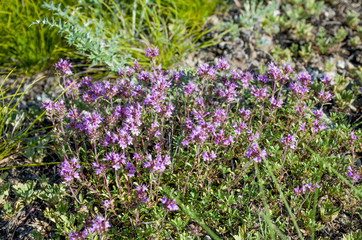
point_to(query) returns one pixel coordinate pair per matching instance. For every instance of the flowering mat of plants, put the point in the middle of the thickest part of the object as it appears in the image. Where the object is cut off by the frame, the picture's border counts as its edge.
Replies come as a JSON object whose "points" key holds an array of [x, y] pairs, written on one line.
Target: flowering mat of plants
{"points": [[240, 147]]}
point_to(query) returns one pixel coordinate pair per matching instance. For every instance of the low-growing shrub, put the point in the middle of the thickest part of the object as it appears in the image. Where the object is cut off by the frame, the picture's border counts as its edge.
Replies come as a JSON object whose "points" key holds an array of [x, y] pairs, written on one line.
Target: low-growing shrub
{"points": [[162, 154], [124, 28]]}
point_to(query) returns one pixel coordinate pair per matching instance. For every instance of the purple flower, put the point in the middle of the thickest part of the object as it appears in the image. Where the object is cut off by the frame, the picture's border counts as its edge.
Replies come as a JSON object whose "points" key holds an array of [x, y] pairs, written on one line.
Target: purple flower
{"points": [[275, 104], [100, 225], [259, 93], [318, 126], [222, 64], [70, 170], [353, 174], [263, 78], [106, 203], [99, 168], [306, 187], [115, 159], [131, 169], [352, 137], [141, 195], [190, 88], [63, 66], [299, 89], [275, 73], [157, 164], [245, 114], [78, 235], [239, 127], [207, 156], [302, 126], [253, 153], [325, 96], [176, 76], [289, 141], [304, 78], [152, 53], [327, 80], [169, 204]]}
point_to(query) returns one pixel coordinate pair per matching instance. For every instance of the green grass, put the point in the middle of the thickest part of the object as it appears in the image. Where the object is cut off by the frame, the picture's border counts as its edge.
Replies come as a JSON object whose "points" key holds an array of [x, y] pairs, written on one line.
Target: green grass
{"points": [[116, 32], [28, 48]]}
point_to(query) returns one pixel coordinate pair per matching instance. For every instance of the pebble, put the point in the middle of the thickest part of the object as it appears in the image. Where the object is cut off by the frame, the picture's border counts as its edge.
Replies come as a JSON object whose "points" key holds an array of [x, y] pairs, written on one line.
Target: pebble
{"points": [[207, 237], [341, 64], [222, 45]]}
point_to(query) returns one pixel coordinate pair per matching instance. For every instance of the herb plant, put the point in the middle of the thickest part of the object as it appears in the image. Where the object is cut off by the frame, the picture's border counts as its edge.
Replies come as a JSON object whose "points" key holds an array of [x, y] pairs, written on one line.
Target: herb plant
{"points": [[153, 153]]}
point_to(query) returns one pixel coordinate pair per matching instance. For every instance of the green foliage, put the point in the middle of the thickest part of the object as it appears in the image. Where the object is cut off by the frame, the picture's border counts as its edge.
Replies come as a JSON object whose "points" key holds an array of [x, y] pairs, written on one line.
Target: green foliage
{"points": [[352, 19], [30, 49], [253, 12], [306, 52], [303, 30], [281, 55], [353, 236], [115, 32], [27, 193], [14, 124]]}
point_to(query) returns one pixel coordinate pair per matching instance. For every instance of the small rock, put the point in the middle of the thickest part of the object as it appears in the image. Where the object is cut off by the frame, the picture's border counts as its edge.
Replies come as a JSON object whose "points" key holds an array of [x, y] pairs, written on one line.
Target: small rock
{"points": [[222, 45], [237, 40], [341, 64], [226, 38], [207, 237], [349, 65]]}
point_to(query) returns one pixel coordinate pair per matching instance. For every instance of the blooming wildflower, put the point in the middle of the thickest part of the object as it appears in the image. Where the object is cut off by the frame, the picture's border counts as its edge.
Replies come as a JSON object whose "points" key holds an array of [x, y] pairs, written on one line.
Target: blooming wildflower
{"points": [[306, 187], [327, 80], [304, 78], [78, 235], [157, 164], [301, 109], [100, 225], [203, 69], [131, 169], [239, 127], [287, 68], [318, 126], [275, 72], [228, 91], [116, 159], [318, 114], [169, 204], [222, 64], [289, 141], [176, 76], [353, 174], [298, 89], [275, 104], [152, 53], [259, 93], [141, 195], [70, 170], [263, 78], [99, 168], [253, 153], [302, 126], [325, 96], [245, 113], [190, 88], [106, 203], [253, 137], [352, 136], [245, 79], [136, 66], [56, 109], [207, 156], [63, 66]]}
